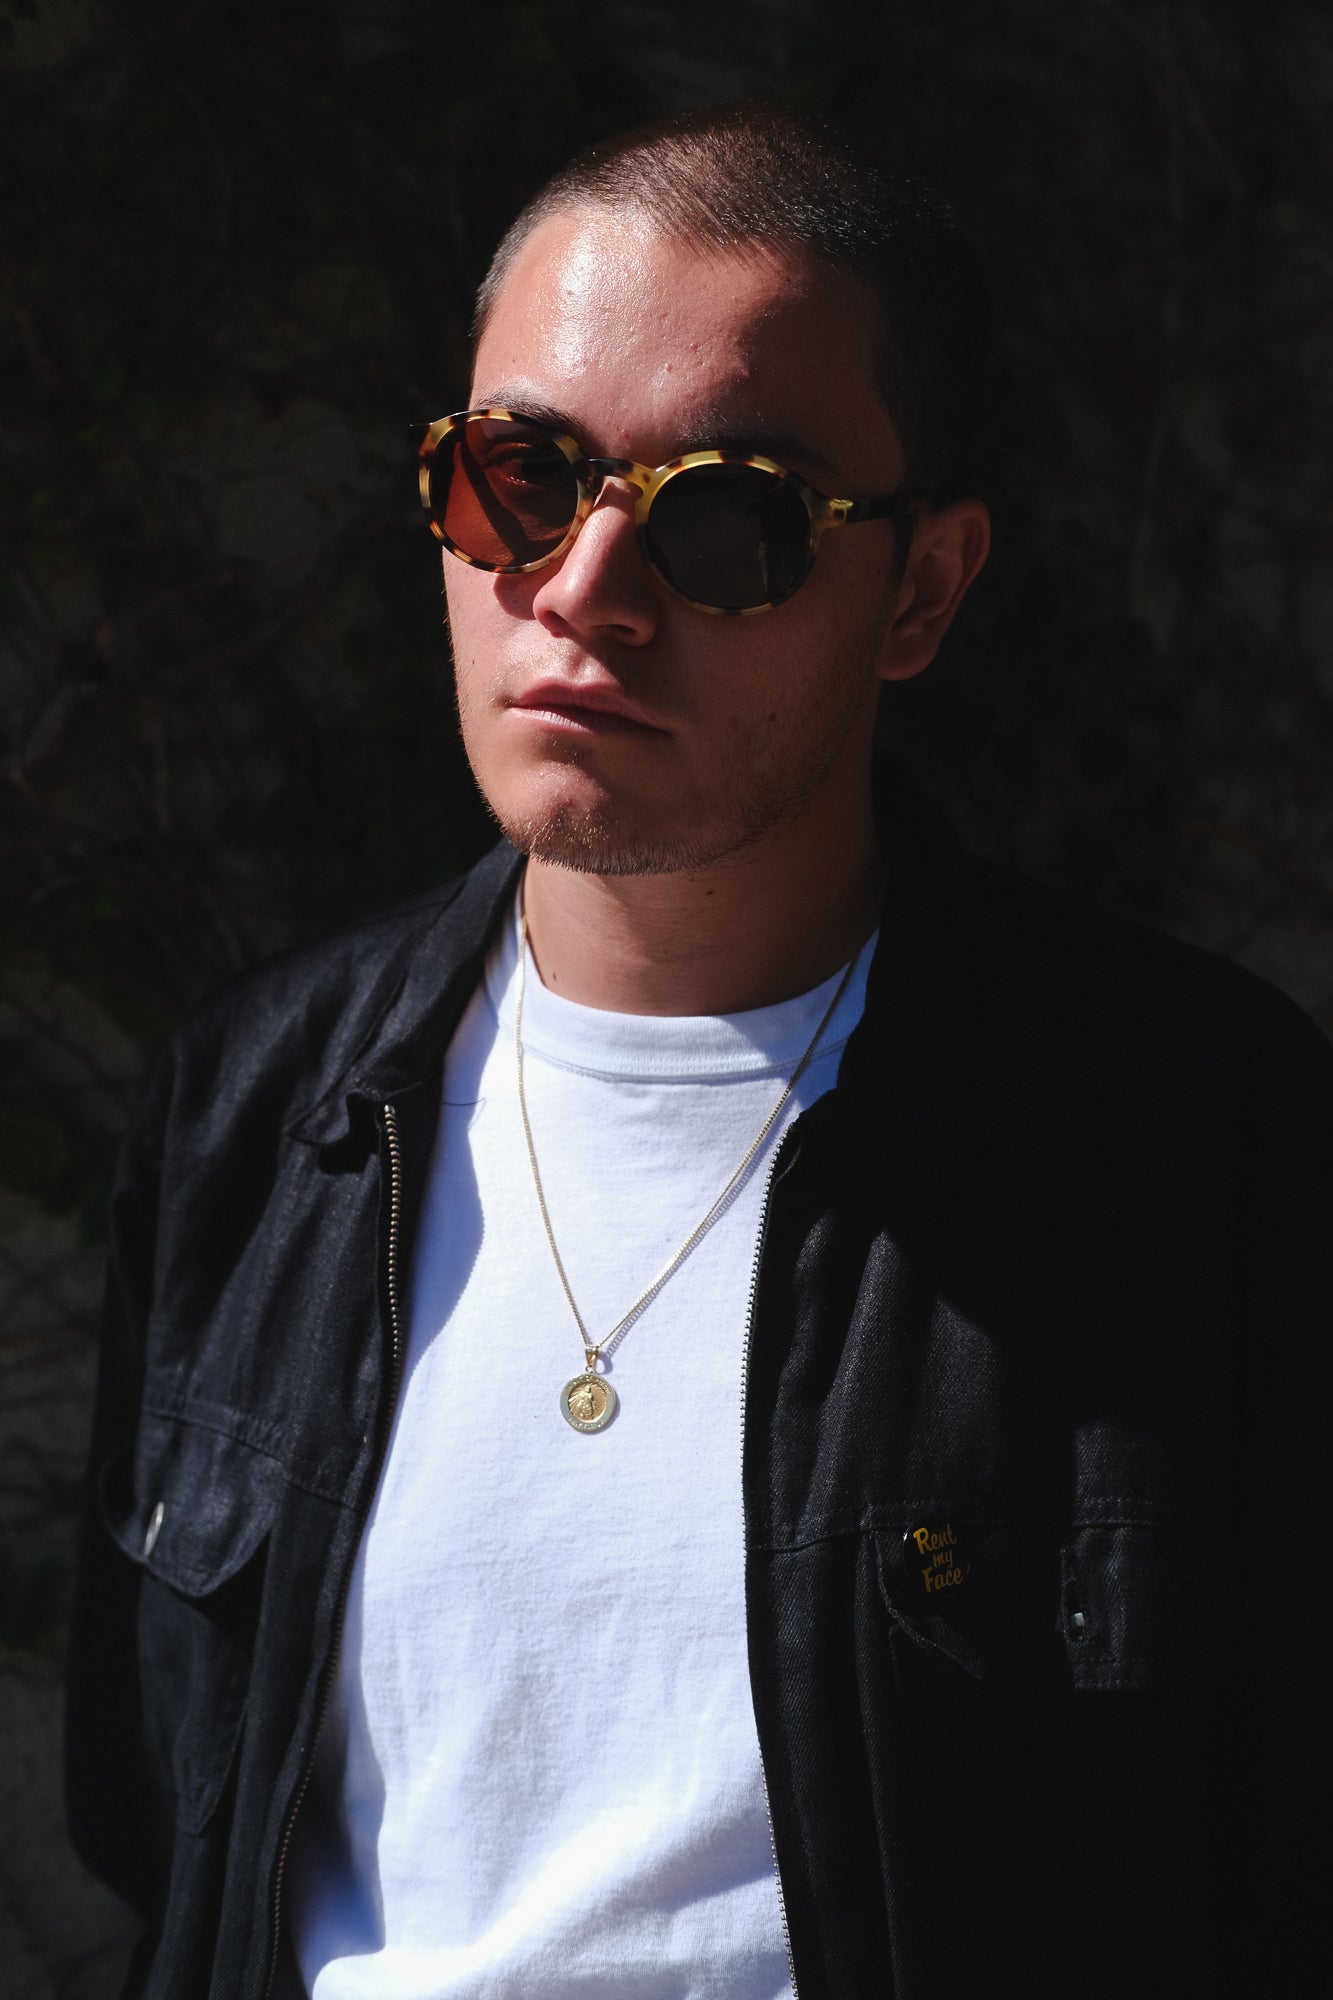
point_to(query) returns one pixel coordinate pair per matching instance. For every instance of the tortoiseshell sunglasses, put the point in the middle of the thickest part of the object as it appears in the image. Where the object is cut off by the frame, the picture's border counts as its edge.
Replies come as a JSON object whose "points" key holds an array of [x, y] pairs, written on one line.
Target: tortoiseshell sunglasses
{"points": [[727, 531]]}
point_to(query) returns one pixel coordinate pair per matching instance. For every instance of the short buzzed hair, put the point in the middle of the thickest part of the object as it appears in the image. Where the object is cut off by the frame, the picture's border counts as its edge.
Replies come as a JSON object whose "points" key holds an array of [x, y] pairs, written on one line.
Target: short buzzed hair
{"points": [[728, 176]]}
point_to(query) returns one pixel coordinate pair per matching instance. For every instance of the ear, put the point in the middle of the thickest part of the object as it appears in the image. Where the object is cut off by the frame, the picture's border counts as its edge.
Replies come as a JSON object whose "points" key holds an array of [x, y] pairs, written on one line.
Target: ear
{"points": [[949, 545]]}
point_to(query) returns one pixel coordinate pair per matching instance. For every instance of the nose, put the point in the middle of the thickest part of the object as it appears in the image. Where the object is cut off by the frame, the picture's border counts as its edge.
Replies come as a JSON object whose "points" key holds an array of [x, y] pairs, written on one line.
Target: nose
{"points": [[602, 588]]}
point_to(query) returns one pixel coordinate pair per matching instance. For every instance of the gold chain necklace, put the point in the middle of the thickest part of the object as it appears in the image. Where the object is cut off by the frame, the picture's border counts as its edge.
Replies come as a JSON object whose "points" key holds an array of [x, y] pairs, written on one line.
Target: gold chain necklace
{"points": [[588, 1401]]}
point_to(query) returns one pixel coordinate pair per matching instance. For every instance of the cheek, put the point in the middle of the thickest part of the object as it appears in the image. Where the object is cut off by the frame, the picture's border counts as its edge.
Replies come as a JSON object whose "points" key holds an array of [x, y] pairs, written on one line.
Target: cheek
{"points": [[469, 651], [483, 608], [752, 694], [809, 675], [457, 598], [468, 611]]}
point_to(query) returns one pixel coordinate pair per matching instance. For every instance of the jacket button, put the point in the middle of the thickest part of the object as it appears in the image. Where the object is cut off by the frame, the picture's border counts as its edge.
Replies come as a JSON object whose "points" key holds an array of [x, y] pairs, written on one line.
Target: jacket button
{"points": [[154, 1528]]}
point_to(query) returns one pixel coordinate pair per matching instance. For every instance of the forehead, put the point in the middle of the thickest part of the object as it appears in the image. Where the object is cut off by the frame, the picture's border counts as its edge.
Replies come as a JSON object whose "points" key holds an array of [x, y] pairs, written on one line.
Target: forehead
{"points": [[652, 345]]}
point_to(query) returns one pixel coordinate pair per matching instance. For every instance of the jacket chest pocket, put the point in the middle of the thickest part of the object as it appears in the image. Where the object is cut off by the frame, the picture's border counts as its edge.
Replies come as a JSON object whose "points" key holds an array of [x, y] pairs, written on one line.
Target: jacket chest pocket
{"points": [[1099, 1606], [191, 1508]]}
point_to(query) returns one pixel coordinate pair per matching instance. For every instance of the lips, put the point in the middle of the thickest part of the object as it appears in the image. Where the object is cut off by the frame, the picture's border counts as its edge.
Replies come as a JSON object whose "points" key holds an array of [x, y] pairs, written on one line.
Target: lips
{"points": [[597, 707]]}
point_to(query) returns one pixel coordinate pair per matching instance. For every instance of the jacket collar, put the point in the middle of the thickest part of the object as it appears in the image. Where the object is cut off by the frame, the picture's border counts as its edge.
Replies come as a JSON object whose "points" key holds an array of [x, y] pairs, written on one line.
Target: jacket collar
{"points": [[406, 1045]]}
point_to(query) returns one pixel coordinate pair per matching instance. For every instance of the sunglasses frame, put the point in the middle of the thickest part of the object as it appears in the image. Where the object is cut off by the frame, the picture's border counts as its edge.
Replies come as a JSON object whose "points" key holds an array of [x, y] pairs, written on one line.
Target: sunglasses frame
{"points": [[590, 474]]}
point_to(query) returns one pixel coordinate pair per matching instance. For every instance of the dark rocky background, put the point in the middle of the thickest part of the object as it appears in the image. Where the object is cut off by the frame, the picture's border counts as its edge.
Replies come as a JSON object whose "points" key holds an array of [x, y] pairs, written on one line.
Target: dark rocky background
{"points": [[237, 244]]}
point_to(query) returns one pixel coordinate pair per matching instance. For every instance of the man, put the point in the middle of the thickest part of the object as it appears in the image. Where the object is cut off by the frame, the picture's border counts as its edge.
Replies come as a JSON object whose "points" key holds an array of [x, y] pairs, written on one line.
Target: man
{"points": [[713, 1413]]}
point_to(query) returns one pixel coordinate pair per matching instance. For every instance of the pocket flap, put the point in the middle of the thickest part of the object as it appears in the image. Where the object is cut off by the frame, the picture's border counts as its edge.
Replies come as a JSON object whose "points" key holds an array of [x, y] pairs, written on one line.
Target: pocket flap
{"points": [[189, 1503]]}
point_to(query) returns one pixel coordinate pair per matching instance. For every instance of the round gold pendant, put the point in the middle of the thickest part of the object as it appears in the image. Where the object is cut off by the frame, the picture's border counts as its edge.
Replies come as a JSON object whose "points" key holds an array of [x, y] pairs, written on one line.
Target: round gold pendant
{"points": [[588, 1402]]}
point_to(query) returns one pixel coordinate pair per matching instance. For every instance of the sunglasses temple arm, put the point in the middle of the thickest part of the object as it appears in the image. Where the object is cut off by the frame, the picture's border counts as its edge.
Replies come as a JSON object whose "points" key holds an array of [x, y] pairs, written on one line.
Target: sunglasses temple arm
{"points": [[891, 506]]}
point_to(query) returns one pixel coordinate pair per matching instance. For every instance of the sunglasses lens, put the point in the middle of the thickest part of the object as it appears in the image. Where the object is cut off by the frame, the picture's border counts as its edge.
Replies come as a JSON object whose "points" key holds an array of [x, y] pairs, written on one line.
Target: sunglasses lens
{"points": [[502, 491], [732, 536]]}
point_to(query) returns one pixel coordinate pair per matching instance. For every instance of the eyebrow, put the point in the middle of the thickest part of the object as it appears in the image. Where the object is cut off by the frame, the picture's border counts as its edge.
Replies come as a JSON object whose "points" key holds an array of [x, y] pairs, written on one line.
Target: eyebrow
{"points": [[513, 397], [764, 439]]}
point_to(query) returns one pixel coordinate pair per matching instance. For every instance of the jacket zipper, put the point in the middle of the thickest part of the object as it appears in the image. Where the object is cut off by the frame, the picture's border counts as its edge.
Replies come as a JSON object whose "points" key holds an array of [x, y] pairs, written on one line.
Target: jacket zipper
{"points": [[331, 1664], [745, 1383]]}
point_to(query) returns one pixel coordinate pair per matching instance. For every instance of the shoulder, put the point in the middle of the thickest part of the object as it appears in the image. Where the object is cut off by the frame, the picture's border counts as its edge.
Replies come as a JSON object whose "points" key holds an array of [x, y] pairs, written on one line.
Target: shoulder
{"points": [[1083, 979], [1008, 1019], [1039, 969], [977, 956], [332, 981], [292, 1025]]}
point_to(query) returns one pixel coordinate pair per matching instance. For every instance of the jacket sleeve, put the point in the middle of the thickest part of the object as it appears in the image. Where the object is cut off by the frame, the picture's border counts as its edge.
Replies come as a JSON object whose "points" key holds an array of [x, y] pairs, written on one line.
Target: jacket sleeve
{"points": [[113, 1813]]}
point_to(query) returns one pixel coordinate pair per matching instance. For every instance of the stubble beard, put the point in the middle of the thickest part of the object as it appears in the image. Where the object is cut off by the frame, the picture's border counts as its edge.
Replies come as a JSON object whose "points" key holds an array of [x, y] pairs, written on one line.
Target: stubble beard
{"points": [[594, 840]]}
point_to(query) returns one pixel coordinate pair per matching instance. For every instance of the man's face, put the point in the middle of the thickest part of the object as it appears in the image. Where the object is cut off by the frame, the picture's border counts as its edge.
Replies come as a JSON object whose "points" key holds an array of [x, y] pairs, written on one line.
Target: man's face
{"points": [[610, 726]]}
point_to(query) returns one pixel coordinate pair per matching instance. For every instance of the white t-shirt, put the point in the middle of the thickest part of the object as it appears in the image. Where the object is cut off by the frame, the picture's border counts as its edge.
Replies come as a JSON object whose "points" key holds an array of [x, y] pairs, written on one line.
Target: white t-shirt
{"points": [[539, 1772]]}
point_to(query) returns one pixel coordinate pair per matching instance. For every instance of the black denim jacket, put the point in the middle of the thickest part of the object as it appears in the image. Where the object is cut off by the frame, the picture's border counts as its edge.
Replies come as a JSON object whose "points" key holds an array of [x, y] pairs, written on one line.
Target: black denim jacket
{"points": [[1029, 1453]]}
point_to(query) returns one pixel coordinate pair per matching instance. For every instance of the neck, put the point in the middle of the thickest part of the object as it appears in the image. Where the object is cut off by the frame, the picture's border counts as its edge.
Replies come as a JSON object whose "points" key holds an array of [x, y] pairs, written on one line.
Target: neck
{"points": [[749, 931]]}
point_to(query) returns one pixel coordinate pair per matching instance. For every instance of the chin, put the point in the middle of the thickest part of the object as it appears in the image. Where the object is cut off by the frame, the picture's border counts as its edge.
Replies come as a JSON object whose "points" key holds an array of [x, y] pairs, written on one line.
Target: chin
{"points": [[604, 843], [604, 838]]}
